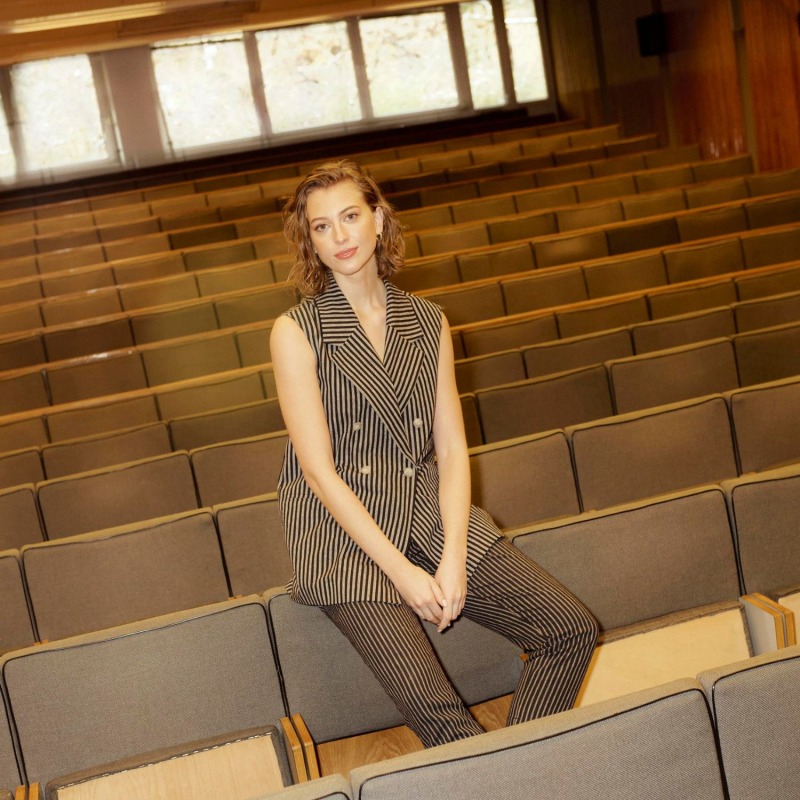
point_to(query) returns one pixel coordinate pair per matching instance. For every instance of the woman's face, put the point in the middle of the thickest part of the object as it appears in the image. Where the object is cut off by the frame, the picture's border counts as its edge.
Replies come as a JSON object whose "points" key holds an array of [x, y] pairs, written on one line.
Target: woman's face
{"points": [[343, 228]]}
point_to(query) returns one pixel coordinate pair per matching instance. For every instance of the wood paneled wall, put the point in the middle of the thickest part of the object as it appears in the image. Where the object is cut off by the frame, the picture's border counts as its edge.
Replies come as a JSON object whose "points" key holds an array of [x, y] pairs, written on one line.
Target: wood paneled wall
{"points": [[772, 44]]}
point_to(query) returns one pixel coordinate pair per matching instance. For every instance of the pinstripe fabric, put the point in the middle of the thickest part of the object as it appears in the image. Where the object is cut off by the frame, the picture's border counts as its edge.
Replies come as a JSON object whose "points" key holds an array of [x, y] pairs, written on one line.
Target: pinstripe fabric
{"points": [[380, 417], [507, 593]]}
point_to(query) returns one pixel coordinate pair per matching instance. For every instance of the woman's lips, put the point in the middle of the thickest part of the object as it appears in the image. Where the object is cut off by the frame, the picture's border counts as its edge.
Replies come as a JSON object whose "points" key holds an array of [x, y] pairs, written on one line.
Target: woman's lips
{"points": [[345, 254]]}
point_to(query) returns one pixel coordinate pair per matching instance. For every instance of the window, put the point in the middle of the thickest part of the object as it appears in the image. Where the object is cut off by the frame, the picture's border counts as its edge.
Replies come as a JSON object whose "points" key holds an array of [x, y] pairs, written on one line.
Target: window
{"points": [[205, 91], [309, 76], [8, 164], [58, 113], [527, 63], [409, 64], [483, 56]]}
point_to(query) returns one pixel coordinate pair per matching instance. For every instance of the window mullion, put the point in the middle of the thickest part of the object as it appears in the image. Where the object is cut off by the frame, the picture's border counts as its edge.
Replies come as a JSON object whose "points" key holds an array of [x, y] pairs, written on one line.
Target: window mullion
{"points": [[359, 63], [458, 51], [257, 84], [498, 12]]}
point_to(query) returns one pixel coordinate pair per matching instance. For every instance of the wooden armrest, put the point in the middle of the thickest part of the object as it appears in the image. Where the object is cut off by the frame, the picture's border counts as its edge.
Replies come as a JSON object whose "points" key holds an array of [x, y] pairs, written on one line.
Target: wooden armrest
{"points": [[770, 624], [310, 750], [294, 750]]}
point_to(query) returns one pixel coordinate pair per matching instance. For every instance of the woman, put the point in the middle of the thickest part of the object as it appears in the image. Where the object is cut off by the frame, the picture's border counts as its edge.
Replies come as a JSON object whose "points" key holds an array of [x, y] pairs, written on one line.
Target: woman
{"points": [[375, 486]]}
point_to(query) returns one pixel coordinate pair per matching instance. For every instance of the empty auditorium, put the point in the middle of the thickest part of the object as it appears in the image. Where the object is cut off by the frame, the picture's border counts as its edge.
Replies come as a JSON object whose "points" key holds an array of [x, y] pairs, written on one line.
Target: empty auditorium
{"points": [[399, 399]]}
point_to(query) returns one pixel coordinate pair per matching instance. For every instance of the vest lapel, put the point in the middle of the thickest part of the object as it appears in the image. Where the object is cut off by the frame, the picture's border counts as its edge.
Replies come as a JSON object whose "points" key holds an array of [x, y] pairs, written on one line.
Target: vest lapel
{"points": [[351, 351]]}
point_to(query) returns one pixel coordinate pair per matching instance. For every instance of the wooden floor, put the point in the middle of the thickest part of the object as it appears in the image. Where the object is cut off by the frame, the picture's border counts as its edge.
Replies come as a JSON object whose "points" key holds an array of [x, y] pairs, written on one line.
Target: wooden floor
{"points": [[340, 756]]}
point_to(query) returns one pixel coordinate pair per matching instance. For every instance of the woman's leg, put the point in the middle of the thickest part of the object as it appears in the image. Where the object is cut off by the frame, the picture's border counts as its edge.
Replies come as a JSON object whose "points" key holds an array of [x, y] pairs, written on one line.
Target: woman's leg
{"points": [[511, 594], [392, 643]]}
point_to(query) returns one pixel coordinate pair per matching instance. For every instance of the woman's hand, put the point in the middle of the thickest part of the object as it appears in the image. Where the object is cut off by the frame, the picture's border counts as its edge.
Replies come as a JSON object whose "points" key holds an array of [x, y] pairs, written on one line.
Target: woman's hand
{"points": [[421, 592], [452, 578]]}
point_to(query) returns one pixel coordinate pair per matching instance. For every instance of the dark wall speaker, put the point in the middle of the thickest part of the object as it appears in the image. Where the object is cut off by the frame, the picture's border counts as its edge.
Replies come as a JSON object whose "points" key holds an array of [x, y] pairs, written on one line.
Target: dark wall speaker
{"points": [[652, 34]]}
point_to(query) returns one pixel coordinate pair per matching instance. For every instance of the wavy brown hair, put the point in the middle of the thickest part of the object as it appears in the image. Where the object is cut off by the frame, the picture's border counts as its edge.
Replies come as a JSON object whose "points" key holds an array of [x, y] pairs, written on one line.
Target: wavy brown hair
{"points": [[308, 273]]}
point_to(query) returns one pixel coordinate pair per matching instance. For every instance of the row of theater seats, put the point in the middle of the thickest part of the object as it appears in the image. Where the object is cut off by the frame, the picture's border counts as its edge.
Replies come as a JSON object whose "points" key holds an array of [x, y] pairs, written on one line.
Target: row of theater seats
{"points": [[225, 306], [77, 584], [574, 381], [669, 605], [101, 296], [158, 359], [199, 178], [171, 230], [587, 466], [519, 215], [31, 283]]}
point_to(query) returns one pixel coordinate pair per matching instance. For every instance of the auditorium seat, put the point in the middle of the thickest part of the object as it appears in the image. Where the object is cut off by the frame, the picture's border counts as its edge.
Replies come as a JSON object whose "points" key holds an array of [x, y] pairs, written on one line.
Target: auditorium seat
{"points": [[647, 453], [73, 308], [96, 375], [588, 215], [682, 329], [624, 274], [24, 350], [658, 743], [765, 312], [672, 375], [209, 393], [102, 415], [568, 248], [543, 289], [577, 351], [235, 422], [254, 305], [765, 423], [685, 299], [16, 628], [22, 390], [331, 787], [756, 723], [602, 316], [328, 684], [234, 278], [764, 508], [118, 495], [85, 583], [659, 576], [141, 688], [430, 274], [768, 354], [484, 371], [87, 338], [10, 776], [22, 434], [773, 211], [253, 544], [505, 335], [183, 319], [545, 403], [608, 183], [470, 303], [779, 280], [180, 359], [664, 177], [642, 235], [20, 466], [161, 291], [496, 261], [650, 204], [239, 468], [762, 248], [520, 481], [703, 260], [105, 449], [716, 192]]}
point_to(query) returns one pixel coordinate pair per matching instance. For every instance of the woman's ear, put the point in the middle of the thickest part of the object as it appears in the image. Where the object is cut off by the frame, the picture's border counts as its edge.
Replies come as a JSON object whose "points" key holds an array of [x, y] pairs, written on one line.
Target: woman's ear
{"points": [[378, 216]]}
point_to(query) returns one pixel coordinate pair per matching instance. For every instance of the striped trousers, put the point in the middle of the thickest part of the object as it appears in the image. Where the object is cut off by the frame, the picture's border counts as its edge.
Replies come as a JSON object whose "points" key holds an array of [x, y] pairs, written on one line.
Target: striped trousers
{"points": [[508, 593]]}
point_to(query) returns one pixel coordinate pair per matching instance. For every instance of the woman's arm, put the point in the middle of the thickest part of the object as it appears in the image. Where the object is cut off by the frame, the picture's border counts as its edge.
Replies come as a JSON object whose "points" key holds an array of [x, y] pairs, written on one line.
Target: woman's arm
{"points": [[454, 481], [300, 400]]}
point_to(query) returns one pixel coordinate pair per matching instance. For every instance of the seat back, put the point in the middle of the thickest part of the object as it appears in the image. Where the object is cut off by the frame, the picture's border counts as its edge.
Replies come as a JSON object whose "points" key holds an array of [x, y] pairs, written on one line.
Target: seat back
{"points": [[238, 469], [20, 514], [253, 544], [658, 743], [646, 453], [541, 404], [16, 628], [756, 723], [668, 376], [523, 480], [138, 490], [142, 687], [86, 583], [764, 508], [639, 561], [765, 424]]}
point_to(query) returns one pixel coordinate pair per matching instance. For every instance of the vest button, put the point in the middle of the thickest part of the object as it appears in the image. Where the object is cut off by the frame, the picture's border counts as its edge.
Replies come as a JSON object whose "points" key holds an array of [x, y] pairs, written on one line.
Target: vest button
{"points": [[357, 426], [366, 469], [417, 423], [408, 472]]}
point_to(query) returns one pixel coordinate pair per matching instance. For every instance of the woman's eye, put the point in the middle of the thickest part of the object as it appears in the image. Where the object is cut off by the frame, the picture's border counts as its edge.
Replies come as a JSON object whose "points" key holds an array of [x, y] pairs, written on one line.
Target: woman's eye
{"points": [[352, 216], [320, 227]]}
